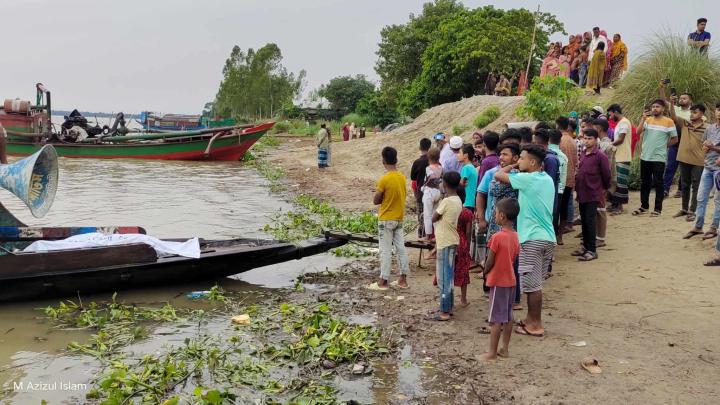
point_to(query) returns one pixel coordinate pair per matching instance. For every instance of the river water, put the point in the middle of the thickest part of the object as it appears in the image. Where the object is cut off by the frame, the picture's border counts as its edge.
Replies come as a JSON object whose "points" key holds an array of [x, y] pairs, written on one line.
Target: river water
{"points": [[168, 199]]}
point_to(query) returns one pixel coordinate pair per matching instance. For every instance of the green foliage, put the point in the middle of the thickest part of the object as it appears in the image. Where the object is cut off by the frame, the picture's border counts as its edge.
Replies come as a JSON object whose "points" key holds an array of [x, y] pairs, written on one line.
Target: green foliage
{"points": [[442, 55], [551, 97], [358, 119], [256, 85], [345, 92], [378, 108], [667, 55], [458, 129], [486, 117]]}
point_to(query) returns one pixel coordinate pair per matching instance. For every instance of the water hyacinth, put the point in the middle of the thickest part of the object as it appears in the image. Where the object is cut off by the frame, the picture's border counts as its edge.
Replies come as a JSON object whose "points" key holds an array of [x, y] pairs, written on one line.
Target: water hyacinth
{"points": [[668, 56]]}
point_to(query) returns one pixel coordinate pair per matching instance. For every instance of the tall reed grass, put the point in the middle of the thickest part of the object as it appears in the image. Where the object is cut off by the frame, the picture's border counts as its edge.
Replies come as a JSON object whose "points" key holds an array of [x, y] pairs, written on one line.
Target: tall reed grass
{"points": [[668, 56]]}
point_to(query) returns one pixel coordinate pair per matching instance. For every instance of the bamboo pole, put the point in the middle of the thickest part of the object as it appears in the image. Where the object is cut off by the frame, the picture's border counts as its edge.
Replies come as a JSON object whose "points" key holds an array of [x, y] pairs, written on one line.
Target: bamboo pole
{"points": [[532, 49]]}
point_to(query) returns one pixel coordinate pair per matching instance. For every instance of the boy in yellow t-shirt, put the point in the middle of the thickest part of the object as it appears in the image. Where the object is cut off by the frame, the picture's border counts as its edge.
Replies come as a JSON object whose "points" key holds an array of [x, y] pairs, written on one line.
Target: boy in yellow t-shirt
{"points": [[390, 195]]}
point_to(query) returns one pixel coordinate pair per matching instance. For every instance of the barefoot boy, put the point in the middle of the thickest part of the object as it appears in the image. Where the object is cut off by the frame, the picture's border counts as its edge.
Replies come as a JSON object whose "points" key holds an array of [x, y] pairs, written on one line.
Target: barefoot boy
{"points": [[447, 239], [503, 249], [390, 196]]}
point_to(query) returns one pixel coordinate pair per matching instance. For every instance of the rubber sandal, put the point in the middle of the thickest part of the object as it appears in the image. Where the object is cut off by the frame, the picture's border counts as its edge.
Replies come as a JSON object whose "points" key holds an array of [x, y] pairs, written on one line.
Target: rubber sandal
{"points": [[655, 214], [588, 256], [691, 234], [376, 287], [690, 218], [522, 330], [710, 235], [591, 365], [578, 252], [396, 284], [484, 330], [616, 213], [639, 211], [712, 262], [437, 318], [680, 213]]}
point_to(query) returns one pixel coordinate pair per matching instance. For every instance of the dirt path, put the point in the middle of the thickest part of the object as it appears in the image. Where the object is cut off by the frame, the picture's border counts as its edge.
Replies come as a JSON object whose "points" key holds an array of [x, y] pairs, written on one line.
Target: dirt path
{"points": [[647, 309]]}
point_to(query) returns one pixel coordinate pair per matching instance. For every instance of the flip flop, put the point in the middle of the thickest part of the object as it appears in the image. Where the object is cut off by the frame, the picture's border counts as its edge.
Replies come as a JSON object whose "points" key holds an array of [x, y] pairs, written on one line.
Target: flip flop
{"points": [[522, 330], [709, 235], [639, 211], [680, 213], [396, 284], [712, 262], [436, 318], [484, 330], [578, 252], [655, 214], [591, 365], [376, 287], [588, 256], [691, 234], [690, 218]]}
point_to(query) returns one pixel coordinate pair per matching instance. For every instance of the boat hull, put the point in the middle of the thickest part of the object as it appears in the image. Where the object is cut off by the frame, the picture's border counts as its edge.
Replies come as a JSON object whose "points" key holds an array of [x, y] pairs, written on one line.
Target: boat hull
{"points": [[67, 273], [231, 147]]}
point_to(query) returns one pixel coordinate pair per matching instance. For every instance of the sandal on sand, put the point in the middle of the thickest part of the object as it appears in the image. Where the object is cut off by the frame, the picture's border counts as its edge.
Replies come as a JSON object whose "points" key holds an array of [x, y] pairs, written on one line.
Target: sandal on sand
{"points": [[436, 318], [484, 330], [680, 213], [522, 330], [655, 214], [616, 213], [712, 262], [588, 256], [690, 218], [691, 234], [578, 252], [396, 284], [591, 365], [710, 234], [639, 211], [376, 287]]}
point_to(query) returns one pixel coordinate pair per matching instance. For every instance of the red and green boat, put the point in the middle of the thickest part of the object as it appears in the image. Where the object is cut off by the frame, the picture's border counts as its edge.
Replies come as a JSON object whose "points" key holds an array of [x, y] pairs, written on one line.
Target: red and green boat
{"points": [[29, 128]]}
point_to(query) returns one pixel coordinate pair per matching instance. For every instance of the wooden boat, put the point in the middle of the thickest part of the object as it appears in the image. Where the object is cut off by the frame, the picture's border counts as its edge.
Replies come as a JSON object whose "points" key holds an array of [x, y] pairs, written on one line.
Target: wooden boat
{"points": [[29, 128], [180, 122], [89, 270], [223, 143]]}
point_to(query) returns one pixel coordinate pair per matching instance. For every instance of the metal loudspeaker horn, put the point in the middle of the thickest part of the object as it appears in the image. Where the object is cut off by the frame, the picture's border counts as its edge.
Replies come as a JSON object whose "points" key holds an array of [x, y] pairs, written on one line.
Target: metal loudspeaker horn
{"points": [[34, 179]]}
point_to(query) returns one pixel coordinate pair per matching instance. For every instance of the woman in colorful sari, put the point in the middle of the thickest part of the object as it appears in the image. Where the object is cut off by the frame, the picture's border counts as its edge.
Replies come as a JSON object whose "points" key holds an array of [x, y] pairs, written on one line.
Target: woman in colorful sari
{"points": [[618, 59], [564, 62], [596, 71], [551, 64]]}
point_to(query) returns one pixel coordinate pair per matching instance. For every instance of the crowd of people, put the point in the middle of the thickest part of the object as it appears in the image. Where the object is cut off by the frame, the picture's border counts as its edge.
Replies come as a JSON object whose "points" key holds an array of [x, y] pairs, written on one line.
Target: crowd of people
{"points": [[591, 60], [503, 202]]}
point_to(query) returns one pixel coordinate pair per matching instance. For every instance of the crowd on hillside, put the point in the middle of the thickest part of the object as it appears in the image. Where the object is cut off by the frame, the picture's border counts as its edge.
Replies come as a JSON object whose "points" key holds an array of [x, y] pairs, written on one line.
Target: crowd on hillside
{"points": [[502, 203]]}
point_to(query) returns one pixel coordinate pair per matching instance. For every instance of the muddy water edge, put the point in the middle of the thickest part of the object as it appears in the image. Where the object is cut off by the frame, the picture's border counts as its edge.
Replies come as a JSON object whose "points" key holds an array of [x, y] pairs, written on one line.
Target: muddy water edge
{"points": [[55, 357]]}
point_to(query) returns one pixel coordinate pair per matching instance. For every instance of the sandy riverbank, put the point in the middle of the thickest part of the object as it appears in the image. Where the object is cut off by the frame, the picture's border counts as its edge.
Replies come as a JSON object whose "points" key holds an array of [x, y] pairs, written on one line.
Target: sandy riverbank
{"points": [[646, 308]]}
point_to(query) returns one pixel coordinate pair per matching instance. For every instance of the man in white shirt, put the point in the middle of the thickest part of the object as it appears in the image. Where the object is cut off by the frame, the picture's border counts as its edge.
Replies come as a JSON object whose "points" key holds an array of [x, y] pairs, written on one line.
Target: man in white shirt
{"points": [[596, 39], [448, 155]]}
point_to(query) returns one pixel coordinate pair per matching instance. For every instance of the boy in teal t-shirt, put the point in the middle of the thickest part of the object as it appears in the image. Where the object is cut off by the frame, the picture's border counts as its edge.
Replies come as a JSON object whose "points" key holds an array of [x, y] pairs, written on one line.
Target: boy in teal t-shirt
{"points": [[468, 175], [536, 191]]}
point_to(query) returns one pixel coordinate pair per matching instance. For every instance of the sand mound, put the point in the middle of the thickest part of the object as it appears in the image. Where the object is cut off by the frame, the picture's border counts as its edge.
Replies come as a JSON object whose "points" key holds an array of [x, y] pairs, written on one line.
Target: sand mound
{"points": [[356, 164]]}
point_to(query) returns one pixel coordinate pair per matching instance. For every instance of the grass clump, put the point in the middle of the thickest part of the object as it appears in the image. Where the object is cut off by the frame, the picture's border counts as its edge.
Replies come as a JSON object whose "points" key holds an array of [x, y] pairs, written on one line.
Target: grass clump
{"points": [[669, 57], [458, 129], [486, 117]]}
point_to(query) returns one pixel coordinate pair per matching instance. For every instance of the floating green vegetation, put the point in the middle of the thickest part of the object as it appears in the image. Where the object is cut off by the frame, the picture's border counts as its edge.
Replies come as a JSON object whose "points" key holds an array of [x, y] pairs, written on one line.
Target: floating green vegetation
{"points": [[289, 353]]}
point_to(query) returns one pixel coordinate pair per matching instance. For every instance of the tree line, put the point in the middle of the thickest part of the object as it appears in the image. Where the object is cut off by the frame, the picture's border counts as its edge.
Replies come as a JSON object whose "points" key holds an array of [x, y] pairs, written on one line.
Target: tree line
{"points": [[441, 55]]}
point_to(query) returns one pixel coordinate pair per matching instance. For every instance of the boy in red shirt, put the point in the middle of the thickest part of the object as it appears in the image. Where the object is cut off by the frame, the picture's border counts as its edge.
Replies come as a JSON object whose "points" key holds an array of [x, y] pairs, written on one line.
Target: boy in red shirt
{"points": [[503, 249]]}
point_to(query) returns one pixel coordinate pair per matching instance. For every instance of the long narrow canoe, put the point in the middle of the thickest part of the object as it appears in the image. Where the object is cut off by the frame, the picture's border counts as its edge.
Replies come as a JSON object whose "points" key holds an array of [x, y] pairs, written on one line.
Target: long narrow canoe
{"points": [[224, 143], [66, 273]]}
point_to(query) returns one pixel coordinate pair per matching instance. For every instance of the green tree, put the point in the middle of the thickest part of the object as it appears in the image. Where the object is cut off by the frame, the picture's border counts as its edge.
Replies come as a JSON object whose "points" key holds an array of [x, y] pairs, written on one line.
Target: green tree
{"points": [[255, 84], [447, 52], [377, 108], [345, 92]]}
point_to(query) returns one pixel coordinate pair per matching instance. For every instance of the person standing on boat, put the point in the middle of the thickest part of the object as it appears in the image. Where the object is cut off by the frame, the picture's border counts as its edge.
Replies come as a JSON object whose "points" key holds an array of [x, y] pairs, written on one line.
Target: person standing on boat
{"points": [[322, 141], [3, 147]]}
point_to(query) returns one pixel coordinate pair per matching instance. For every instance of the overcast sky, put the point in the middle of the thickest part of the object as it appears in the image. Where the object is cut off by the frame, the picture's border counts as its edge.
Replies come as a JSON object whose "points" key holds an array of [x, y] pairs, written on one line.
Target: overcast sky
{"points": [[162, 55]]}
